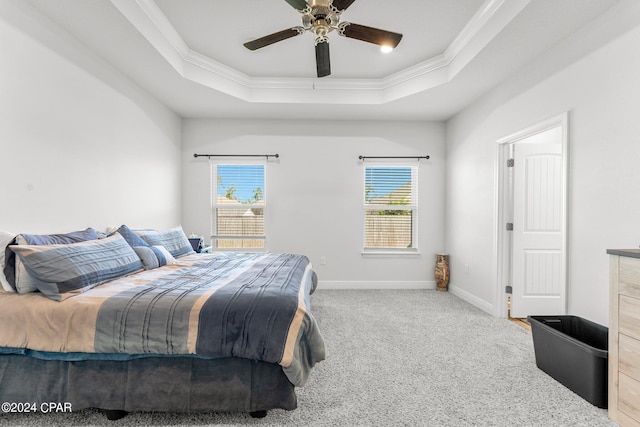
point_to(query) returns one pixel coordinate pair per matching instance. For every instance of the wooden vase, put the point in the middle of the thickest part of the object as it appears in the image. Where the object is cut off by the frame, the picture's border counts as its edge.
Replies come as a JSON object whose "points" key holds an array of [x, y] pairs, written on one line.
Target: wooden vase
{"points": [[442, 272]]}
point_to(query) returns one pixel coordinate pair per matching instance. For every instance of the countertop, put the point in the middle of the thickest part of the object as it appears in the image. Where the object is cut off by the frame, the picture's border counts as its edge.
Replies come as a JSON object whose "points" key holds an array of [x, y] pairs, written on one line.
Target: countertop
{"points": [[631, 253]]}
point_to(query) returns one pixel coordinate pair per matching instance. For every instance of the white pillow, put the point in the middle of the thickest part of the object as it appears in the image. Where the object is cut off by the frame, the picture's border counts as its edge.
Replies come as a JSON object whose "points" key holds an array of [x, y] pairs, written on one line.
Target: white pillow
{"points": [[5, 239]]}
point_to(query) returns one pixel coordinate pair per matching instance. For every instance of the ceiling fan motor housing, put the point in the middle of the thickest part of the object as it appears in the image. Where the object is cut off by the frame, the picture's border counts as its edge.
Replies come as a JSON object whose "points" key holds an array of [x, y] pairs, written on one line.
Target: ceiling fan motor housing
{"points": [[321, 20]]}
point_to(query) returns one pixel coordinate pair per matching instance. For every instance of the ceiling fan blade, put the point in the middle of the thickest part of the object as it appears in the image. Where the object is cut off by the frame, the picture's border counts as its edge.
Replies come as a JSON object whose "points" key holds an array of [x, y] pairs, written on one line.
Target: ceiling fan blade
{"points": [[297, 4], [370, 35], [273, 38], [342, 4], [323, 62]]}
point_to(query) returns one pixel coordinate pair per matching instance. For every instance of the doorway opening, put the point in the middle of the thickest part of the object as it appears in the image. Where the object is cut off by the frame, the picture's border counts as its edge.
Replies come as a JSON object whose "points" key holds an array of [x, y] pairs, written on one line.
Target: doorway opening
{"points": [[531, 212]]}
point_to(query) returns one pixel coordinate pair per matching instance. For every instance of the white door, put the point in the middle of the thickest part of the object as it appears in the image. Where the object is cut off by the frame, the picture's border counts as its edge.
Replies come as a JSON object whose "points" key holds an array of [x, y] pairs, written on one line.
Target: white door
{"points": [[538, 270]]}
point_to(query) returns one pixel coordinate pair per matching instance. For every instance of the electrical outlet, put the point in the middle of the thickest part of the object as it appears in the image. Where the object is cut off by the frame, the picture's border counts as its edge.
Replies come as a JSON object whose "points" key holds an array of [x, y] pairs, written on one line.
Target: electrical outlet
{"points": [[323, 260], [466, 269]]}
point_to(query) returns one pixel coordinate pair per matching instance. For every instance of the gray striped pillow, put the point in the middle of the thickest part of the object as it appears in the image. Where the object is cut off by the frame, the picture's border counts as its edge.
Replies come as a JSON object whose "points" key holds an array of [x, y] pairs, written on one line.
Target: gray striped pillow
{"points": [[65, 270], [174, 240]]}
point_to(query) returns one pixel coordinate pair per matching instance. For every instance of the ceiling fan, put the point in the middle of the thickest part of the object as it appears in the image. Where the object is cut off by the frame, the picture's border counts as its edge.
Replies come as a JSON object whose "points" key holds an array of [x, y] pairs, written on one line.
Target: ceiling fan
{"points": [[321, 17]]}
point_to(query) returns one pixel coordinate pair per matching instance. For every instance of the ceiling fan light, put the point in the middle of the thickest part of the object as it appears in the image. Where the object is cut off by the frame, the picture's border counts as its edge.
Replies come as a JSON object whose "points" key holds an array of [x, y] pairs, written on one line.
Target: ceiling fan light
{"points": [[386, 49]]}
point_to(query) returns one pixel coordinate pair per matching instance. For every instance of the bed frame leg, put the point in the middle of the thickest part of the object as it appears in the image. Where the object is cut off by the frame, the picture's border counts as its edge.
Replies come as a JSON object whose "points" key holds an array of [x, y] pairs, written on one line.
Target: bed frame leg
{"points": [[258, 414], [114, 414]]}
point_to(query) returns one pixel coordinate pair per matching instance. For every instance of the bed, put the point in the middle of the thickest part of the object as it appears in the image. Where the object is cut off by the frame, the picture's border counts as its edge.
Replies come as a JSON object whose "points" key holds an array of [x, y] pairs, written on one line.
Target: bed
{"points": [[136, 321]]}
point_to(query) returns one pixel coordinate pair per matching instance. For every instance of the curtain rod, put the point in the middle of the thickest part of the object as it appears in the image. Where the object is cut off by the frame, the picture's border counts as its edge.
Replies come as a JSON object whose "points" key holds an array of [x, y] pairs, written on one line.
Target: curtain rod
{"points": [[393, 157], [237, 155]]}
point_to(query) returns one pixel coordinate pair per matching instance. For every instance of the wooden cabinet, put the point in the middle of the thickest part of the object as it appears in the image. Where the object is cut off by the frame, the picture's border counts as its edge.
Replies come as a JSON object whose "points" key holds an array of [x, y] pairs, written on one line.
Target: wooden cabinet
{"points": [[624, 337]]}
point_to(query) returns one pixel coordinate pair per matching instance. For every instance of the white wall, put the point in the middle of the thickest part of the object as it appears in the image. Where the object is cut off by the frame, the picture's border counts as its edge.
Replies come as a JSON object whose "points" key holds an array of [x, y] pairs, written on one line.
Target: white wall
{"points": [[601, 91], [80, 145], [78, 150], [314, 191]]}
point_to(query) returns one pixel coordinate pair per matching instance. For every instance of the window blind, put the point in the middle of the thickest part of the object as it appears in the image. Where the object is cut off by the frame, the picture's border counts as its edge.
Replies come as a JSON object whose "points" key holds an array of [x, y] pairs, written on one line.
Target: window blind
{"points": [[241, 183]]}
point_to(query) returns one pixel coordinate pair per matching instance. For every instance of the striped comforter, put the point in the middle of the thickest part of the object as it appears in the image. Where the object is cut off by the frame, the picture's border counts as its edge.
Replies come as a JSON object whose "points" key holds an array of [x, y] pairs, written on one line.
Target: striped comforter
{"points": [[253, 306]]}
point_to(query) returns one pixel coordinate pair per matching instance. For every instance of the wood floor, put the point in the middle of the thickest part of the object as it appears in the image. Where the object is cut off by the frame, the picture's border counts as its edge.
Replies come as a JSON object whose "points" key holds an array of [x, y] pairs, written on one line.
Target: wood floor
{"points": [[520, 321]]}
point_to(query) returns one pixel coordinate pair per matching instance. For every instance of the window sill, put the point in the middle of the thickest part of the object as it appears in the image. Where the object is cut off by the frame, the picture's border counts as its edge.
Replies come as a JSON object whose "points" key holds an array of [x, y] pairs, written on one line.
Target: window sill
{"points": [[386, 253]]}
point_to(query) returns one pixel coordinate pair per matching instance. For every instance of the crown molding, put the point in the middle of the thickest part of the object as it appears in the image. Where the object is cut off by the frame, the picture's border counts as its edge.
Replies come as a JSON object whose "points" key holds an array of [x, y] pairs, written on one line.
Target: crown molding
{"points": [[155, 27]]}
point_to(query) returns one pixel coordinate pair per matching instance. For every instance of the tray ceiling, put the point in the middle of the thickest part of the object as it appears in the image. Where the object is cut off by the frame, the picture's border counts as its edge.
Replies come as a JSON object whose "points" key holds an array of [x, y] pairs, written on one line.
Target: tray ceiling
{"points": [[209, 51], [189, 53]]}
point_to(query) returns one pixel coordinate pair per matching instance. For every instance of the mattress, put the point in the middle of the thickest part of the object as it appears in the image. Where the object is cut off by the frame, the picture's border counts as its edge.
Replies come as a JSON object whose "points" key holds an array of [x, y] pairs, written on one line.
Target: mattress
{"points": [[206, 306]]}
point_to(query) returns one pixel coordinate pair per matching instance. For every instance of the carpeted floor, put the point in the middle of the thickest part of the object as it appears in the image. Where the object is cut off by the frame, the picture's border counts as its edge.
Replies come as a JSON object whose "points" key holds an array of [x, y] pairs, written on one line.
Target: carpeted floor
{"points": [[401, 358]]}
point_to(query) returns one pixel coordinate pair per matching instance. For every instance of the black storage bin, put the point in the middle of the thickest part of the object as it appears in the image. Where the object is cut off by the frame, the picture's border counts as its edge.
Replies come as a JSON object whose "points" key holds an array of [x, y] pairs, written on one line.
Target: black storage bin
{"points": [[574, 352]]}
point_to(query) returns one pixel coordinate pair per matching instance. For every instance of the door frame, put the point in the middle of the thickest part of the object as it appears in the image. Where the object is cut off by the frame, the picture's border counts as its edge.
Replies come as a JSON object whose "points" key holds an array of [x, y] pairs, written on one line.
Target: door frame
{"points": [[503, 209]]}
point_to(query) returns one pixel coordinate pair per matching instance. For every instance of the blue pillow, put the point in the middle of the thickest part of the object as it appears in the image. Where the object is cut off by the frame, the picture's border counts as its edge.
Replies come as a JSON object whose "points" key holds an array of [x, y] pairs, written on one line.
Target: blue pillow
{"points": [[161, 254], [151, 256], [60, 239], [64, 270], [174, 240], [148, 257], [132, 238], [16, 274]]}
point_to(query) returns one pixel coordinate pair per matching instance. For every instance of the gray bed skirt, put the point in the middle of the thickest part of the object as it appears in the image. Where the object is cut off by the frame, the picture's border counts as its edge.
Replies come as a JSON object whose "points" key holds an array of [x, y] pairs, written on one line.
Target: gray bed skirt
{"points": [[165, 384]]}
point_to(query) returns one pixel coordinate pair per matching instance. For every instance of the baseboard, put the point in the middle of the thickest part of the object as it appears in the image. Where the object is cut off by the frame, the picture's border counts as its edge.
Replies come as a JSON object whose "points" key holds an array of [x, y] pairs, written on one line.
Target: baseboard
{"points": [[472, 299], [330, 284]]}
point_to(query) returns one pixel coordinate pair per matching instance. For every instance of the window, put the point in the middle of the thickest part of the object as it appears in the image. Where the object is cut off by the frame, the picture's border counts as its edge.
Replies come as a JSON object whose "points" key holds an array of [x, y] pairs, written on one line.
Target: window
{"points": [[390, 208], [238, 207]]}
